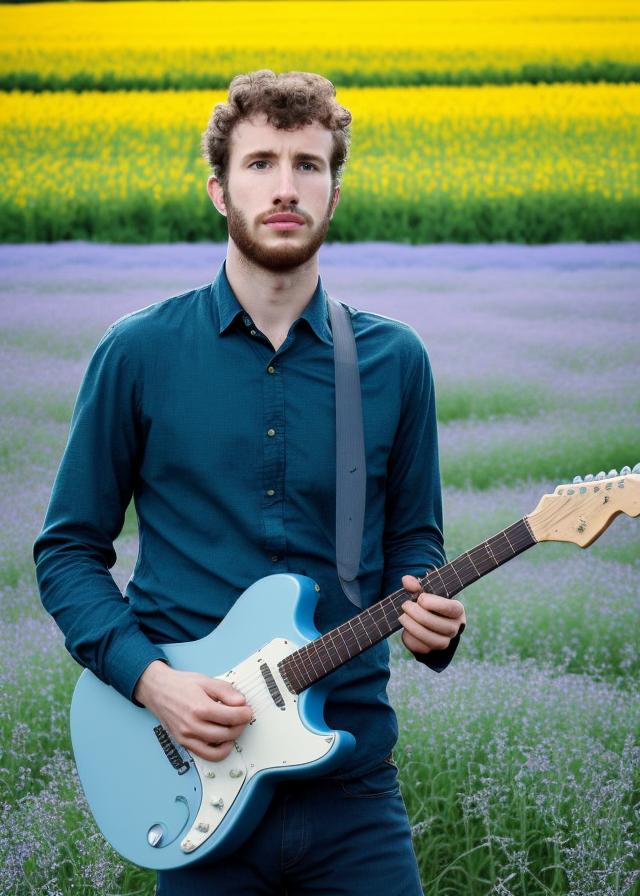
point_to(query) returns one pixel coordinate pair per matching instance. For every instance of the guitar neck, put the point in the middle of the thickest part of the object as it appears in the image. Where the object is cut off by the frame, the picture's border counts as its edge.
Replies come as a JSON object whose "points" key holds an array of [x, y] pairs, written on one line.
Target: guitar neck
{"points": [[318, 658]]}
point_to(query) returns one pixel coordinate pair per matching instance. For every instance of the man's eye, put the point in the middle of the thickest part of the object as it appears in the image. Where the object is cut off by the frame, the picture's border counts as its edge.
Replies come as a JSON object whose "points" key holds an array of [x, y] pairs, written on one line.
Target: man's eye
{"points": [[264, 162]]}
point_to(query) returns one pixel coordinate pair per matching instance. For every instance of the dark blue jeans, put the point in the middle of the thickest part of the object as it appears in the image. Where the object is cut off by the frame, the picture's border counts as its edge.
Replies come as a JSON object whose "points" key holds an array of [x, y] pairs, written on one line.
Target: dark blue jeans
{"points": [[325, 837]]}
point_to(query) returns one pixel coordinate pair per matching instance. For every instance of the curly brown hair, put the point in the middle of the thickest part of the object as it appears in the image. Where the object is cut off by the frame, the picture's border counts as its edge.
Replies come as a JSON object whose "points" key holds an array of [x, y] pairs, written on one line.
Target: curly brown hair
{"points": [[289, 100]]}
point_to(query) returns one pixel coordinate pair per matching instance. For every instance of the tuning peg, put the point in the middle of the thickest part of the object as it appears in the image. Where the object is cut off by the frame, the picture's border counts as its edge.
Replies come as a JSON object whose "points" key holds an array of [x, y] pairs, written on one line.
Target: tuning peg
{"points": [[577, 479], [601, 475], [625, 470], [588, 477], [636, 469], [612, 474]]}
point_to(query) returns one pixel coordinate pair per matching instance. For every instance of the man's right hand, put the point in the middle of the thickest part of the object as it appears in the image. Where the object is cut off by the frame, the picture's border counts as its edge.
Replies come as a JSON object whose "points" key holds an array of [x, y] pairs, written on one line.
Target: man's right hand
{"points": [[203, 714]]}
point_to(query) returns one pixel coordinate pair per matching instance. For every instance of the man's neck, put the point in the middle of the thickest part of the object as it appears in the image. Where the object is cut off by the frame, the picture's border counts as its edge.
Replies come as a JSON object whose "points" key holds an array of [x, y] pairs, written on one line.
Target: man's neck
{"points": [[273, 300]]}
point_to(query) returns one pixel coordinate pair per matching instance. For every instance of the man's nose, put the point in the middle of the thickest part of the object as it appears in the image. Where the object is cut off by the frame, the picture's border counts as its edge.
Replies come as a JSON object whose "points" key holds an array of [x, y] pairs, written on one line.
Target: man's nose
{"points": [[286, 190]]}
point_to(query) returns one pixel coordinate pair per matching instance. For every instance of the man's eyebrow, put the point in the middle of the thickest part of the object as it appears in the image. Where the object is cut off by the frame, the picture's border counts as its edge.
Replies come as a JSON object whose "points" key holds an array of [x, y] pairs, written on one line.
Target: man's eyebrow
{"points": [[271, 154]]}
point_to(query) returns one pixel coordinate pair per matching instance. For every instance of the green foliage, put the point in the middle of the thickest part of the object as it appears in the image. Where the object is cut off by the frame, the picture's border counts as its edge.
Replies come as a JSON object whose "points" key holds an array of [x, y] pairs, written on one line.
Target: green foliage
{"points": [[365, 75], [534, 218], [481, 464]]}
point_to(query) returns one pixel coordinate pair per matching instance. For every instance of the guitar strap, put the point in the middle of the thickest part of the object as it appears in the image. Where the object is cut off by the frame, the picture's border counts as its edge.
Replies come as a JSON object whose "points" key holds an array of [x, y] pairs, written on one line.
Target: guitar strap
{"points": [[351, 470]]}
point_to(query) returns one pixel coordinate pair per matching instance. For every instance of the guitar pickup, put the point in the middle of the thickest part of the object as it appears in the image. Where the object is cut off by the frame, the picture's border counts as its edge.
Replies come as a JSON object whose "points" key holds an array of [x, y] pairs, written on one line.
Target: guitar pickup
{"points": [[274, 690]]}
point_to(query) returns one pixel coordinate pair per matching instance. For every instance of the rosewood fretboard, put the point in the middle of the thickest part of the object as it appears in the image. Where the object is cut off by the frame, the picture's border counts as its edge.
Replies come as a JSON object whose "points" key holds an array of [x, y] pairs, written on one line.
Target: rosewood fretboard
{"points": [[320, 657]]}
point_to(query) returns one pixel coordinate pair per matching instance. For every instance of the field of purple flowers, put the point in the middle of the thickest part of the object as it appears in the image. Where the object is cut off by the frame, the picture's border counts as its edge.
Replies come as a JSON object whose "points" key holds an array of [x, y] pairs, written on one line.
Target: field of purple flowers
{"points": [[520, 764]]}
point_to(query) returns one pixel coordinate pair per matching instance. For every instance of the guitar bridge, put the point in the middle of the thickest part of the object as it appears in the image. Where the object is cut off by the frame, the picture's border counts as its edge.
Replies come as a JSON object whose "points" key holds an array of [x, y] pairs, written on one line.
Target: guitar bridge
{"points": [[170, 750]]}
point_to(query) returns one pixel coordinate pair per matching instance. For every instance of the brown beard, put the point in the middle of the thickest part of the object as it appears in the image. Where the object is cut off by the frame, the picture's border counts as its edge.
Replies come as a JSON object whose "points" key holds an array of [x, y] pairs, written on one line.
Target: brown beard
{"points": [[285, 256]]}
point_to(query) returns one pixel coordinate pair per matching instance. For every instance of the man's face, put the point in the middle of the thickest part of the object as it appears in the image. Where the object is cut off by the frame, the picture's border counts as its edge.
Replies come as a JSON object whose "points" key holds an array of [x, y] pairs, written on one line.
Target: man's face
{"points": [[271, 172]]}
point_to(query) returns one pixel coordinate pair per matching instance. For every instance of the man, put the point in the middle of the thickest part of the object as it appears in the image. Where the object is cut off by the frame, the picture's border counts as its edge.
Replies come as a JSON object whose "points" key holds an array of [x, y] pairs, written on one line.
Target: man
{"points": [[215, 411]]}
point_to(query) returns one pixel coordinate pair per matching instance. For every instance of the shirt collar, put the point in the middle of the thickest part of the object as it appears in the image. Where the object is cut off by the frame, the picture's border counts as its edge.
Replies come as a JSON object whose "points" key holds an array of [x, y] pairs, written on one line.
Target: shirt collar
{"points": [[315, 313]]}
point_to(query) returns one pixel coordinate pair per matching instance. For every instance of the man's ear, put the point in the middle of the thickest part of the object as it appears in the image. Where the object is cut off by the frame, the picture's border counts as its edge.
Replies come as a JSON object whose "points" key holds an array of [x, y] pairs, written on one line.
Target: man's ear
{"points": [[336, 199], [216, 194]]}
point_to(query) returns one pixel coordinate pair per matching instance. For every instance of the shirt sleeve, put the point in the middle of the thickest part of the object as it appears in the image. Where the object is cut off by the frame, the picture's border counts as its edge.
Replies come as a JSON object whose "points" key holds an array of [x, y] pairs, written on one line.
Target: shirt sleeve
{"points": [[74, 550], [413, 537]]}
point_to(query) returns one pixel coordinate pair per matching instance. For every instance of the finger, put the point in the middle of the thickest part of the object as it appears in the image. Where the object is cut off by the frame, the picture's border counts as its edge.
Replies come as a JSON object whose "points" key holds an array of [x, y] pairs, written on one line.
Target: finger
{"points": [[212, 752], [444, 606], [223, 691], [413, 644], [441, 625], [220, 714], [424, 636], [411, 584], [214, 734]]}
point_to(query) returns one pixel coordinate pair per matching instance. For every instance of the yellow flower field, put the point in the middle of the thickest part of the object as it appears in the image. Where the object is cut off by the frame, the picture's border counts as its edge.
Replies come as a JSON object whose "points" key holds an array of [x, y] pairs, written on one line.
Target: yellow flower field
{"points": [[428, 151], [186, 45]]}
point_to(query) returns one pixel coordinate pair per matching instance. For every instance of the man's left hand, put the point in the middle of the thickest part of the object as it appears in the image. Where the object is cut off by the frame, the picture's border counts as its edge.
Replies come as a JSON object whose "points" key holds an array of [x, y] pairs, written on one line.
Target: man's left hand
{"points": [[431, 621]]}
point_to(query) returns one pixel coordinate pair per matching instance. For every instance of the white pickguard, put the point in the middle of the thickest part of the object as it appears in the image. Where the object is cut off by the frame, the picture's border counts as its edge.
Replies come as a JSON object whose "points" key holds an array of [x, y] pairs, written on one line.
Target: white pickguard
{"points": [[276, 738]]}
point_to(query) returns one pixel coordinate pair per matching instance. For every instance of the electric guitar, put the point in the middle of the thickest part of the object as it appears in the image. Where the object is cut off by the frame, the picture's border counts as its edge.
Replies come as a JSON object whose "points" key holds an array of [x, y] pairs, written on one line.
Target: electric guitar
{"points": [[163, 807]]}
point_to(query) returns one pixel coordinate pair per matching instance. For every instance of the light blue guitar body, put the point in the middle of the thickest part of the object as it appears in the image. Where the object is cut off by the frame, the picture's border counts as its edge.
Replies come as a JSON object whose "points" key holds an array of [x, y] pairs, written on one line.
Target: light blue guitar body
{"points": [[162, 807]]}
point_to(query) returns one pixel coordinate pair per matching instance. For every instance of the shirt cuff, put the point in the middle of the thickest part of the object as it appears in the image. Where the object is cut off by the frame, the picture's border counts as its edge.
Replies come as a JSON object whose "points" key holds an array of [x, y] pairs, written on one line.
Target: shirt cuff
{"points": [[128, 664], [440, 659]]}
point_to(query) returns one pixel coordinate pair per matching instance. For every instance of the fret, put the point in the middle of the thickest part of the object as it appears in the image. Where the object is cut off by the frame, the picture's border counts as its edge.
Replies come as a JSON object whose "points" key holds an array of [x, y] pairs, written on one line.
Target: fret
{"points": [[508, 542], [447, 574], [390, 612], [437, 572], [291, 679], [453, 567], [346, 632], [527, 528], [303, 658], [303, 674], [506, 547], [330, 645], [348, 649], [499, 550], [298, 668], [483, 562], [358, 619], [301, 670], [349, 623], [395, 605], [291, 683], [476, 570], [493, 556], [302, 680], [464, 578], [316, 646], [375, 622], [339, 646]]}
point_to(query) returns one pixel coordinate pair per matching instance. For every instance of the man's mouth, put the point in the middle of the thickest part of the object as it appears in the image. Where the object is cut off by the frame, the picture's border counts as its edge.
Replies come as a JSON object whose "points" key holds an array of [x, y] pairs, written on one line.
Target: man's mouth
{"points": [[285, 221]]}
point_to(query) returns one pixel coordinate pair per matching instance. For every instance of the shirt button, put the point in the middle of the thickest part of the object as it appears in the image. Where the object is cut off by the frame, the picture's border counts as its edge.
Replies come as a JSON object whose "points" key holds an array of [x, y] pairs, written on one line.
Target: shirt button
{"points": [[271, 369], [270, 492], [271, 432], [253, 332], [247, 321], [275, 558]]}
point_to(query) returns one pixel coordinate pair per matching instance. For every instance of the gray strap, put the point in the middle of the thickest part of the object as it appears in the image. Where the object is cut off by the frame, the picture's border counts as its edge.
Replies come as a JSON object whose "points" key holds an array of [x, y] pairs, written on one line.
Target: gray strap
{"points": [[351, 472]]}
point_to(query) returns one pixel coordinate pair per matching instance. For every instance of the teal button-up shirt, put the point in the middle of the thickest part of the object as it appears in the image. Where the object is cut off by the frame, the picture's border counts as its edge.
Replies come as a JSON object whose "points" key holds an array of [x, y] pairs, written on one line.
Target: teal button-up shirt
{"points": [[228, 450]]}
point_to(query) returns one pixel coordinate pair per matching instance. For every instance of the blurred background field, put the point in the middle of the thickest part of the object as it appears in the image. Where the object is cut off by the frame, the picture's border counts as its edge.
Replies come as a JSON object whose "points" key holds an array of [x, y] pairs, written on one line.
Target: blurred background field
{"points": [[160, 45], [473, 121], [520, 764], [523, 163]]}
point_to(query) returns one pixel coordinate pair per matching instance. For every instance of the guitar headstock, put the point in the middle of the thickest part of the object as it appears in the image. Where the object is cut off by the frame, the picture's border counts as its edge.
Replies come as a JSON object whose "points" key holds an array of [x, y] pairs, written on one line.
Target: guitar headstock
{"points": [[580, 512]]}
